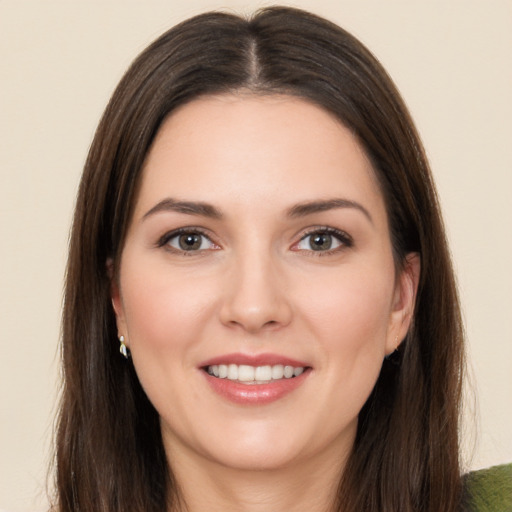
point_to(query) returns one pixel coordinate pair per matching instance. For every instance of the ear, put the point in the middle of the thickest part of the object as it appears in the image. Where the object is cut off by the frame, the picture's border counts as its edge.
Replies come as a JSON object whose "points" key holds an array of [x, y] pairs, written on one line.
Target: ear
{"points": [[404, 299], [117, 303]]}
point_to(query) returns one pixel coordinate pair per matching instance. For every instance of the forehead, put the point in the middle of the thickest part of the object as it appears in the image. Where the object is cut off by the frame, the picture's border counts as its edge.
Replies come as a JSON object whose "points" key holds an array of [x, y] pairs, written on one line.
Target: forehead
{"points": [[257, 150]]}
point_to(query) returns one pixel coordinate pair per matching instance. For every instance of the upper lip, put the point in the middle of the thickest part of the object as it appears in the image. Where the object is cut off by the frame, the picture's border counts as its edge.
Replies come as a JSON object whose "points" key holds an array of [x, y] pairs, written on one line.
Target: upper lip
{"points": [[266, 359]]}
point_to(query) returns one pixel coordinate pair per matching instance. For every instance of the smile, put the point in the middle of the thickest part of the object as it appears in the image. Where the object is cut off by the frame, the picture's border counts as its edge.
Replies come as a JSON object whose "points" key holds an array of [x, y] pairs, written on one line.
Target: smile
{"points": [[254, 374], [254, 379]]}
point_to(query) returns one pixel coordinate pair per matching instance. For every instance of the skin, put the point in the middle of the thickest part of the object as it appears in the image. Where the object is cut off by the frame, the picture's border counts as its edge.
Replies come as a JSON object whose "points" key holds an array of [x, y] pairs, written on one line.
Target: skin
{"points": [[256, 286]]}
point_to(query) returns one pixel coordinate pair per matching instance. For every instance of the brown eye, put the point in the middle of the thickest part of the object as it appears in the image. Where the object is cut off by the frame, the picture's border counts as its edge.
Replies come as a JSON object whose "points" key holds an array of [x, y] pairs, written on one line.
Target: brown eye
{"points": [[190, 241]]}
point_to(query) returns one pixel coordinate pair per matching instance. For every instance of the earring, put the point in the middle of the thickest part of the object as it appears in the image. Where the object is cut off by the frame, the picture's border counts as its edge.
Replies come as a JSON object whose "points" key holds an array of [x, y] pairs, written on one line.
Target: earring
{"points": [[123, 348]]}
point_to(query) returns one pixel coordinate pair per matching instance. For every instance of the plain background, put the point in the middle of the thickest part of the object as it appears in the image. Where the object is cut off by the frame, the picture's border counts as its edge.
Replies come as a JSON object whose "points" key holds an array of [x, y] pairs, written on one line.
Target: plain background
{"points": [[59, 62]]}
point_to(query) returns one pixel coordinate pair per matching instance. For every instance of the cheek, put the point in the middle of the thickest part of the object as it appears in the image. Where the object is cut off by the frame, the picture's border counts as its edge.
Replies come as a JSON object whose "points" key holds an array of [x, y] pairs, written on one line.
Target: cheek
{"points": [[350, 313], [163, 311], [166, 317]]}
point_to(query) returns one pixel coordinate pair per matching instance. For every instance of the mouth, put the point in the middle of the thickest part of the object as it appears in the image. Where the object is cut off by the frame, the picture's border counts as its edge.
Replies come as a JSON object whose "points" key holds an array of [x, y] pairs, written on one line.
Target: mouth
{"points": [[248, 374], [254, 379]]}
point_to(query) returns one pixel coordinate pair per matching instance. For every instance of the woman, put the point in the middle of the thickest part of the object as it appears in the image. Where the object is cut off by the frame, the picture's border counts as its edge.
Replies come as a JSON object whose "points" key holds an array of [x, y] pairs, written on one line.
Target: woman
{"points": [[258, 227]]}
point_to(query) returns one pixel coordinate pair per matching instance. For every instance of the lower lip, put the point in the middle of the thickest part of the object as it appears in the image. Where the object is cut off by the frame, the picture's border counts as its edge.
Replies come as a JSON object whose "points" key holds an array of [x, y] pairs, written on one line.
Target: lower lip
{"points": [[255, 394]]}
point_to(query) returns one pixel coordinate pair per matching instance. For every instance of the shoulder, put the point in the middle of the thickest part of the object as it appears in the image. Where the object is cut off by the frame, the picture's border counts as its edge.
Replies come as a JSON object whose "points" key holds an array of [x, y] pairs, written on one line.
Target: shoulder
{"points": [[489, 490]]}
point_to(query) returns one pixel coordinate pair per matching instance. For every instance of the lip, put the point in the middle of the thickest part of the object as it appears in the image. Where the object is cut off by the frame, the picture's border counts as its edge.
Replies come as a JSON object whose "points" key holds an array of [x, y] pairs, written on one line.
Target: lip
{"points": [[266, 359], [254, 394]]}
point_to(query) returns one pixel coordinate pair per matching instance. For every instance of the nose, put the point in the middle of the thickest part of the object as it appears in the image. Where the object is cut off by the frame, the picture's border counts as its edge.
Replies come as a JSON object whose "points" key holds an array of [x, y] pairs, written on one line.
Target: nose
{"points": [[256, 298]]}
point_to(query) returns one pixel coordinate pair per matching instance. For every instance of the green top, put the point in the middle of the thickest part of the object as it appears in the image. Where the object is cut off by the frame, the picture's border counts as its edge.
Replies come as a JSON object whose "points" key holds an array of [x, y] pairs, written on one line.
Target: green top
{"points": [[489, 490]]}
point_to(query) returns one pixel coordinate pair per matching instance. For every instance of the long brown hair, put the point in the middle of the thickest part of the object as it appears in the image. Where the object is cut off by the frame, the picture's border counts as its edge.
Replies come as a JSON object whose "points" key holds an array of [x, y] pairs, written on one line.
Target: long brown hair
{"points": [[110, 455]]}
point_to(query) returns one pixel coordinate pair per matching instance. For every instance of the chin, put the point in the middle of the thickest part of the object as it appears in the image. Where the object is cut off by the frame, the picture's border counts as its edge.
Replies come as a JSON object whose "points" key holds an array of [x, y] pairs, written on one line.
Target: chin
{"points": [[268, 444], [262, 458]]}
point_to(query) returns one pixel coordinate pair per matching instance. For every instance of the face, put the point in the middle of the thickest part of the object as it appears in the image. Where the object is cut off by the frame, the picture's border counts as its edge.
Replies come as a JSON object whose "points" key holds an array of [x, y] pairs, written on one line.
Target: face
{"points": [[257, 290]]}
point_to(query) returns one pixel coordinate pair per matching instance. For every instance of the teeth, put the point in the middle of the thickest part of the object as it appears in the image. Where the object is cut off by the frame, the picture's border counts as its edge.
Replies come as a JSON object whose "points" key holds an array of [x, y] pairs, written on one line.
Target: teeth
{"points": [[254, 374], [288, 371], [245, 373], [233, 372], [297, 371], [277, 371], [263, 373]]}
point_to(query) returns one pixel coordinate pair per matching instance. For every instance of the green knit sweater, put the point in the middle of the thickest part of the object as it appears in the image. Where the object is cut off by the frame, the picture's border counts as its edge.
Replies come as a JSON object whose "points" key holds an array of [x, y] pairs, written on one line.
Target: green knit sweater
{"points": [[489, 490]]}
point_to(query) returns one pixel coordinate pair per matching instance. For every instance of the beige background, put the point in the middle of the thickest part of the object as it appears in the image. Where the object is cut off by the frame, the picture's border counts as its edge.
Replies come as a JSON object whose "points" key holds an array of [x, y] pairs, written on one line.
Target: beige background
{"points": [[59, 62]]}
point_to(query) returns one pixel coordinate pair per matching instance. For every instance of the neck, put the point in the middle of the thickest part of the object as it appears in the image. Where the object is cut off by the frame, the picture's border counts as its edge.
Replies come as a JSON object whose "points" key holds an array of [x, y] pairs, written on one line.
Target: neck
{"points": [[309, 485]]}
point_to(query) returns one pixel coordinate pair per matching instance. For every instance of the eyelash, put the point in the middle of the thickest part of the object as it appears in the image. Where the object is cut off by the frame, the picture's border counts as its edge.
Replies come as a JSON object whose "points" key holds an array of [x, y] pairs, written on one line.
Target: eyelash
{"points": [[343, 238], [165, 239]]}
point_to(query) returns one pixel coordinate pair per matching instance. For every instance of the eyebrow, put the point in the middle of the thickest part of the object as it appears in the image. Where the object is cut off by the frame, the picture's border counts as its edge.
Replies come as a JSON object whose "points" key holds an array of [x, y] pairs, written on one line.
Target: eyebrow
{"points": [[299, 210], [187, 207], [311, 207]]}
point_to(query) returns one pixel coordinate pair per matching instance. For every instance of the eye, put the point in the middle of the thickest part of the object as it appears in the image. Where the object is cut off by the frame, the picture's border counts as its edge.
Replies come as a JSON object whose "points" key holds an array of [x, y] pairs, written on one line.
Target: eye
{"points": [[323, 240], [187, 241]]}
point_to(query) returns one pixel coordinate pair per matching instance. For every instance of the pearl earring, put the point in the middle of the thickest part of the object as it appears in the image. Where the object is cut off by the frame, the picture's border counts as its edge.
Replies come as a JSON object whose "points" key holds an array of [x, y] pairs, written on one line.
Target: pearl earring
{"points": [[123, 348]]}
